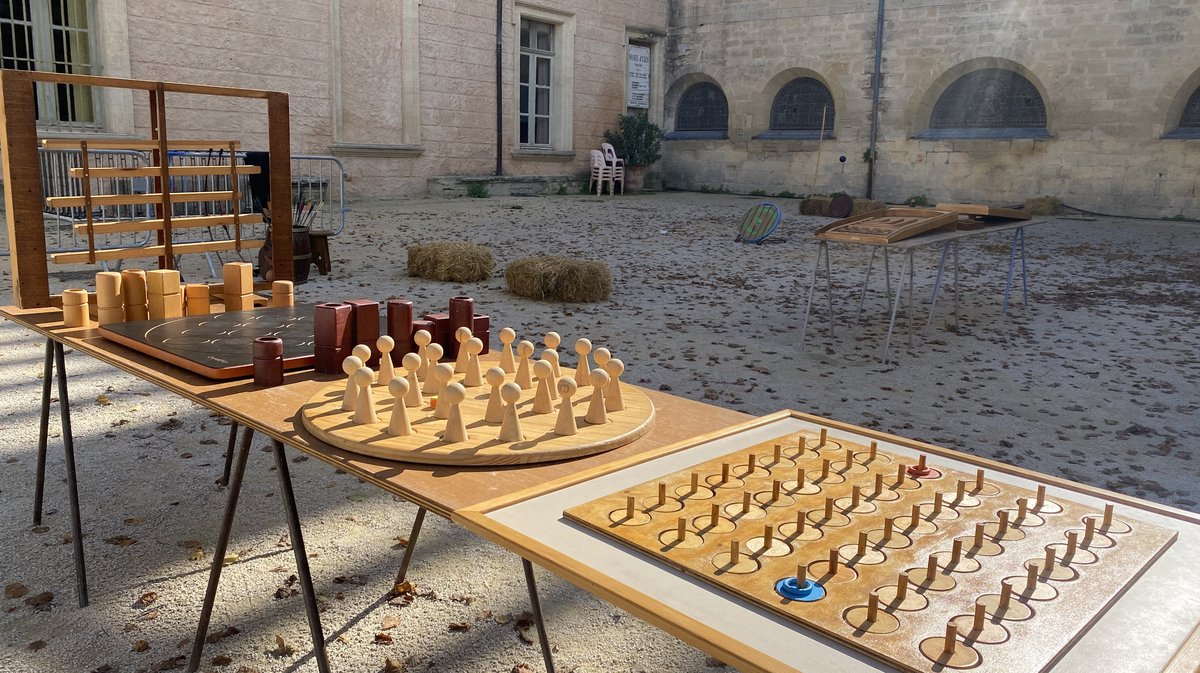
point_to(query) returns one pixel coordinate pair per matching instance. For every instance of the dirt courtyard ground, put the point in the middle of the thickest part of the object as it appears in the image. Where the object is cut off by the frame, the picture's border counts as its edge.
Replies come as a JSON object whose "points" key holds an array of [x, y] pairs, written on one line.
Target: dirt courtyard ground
{"points": [[1096, 380]]}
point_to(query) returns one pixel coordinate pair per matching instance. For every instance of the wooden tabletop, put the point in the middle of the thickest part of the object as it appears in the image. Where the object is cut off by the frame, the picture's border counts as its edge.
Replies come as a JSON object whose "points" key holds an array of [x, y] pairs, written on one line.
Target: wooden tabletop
{"points": [[934, 237], [275, 412]]}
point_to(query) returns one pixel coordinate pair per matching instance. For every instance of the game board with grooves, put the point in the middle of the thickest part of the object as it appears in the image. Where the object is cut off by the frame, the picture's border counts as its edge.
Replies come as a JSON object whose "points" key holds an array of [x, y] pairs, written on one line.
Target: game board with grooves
{"points": [[834, 524]]}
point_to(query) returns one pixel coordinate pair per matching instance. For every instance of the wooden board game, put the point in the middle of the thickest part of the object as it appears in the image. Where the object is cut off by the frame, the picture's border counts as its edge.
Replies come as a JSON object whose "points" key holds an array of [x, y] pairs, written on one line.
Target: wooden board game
{"points": [[887, 226], [819, 530], [504, 420], [220, 345]]}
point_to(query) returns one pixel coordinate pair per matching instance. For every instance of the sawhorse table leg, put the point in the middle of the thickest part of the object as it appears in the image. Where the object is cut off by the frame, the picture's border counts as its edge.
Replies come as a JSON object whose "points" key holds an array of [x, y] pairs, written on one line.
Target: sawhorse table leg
{"points": [[303, 575], [822, 249], [54, 360], [1018, 240], [887, 342]]}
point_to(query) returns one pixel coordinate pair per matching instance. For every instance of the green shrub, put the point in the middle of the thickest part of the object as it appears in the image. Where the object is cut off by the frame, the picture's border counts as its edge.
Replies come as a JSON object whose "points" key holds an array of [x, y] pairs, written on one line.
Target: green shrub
{"points": [[477, 190]]}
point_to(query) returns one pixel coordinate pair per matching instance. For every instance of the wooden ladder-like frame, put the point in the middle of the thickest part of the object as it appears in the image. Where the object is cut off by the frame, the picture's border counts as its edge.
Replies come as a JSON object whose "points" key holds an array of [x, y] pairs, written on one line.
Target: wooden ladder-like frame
{"points": [[24, 198]]}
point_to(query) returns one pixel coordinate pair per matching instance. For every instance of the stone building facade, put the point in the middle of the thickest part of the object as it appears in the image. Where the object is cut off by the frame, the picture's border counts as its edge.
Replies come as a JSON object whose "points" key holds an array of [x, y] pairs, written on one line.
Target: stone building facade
{"points": [[979, 100], [1117, 81]]}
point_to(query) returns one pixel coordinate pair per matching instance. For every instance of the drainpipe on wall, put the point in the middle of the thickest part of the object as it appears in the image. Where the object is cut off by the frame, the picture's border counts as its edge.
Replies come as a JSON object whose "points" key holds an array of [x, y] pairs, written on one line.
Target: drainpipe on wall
{"points": [[499, 87], [875, 81]]}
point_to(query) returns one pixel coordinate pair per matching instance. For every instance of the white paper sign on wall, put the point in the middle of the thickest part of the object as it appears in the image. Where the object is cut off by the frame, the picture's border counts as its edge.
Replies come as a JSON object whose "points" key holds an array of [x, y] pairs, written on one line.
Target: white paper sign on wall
{"points": [[637, 88]]}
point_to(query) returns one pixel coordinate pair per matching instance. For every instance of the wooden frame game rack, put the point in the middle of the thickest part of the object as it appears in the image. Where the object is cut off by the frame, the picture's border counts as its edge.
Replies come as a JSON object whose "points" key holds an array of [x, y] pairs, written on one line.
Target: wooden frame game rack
{"points": [[24, 201]]}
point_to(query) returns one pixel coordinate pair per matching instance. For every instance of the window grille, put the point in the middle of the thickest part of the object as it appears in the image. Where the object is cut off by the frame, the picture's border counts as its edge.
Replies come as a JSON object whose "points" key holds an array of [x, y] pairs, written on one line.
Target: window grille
{"points": [[536, 92], [702, 108], [992, 98], [800, 105]]}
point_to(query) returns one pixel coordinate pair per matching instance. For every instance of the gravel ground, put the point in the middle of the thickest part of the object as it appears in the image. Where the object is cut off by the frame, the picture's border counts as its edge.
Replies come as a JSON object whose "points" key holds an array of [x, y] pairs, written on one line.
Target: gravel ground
{"points": [[1095, 381]]}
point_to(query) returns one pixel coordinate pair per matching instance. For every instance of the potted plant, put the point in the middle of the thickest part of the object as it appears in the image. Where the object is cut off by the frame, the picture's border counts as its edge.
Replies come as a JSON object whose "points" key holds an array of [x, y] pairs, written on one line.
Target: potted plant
{"points": [[638, 141]]}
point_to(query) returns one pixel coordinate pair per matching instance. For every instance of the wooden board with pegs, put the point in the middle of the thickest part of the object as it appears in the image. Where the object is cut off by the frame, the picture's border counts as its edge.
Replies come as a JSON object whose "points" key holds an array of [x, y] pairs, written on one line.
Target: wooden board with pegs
{"points": [[922, 567], [889, 225]]}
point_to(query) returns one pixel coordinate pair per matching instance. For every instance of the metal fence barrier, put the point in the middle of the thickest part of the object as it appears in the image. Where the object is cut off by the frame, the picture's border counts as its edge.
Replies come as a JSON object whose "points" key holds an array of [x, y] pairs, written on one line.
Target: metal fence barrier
{"points": [[318, 193]]}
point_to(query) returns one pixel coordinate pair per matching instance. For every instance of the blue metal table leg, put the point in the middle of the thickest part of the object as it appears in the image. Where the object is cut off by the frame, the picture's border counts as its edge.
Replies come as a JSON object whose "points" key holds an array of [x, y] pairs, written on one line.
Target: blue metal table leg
{"points": [[910, 298], [937, 284], [862, 296], [1024, 271], [956, 284], [829, 291], [887, 342], [812, 286], [1012, 262]]}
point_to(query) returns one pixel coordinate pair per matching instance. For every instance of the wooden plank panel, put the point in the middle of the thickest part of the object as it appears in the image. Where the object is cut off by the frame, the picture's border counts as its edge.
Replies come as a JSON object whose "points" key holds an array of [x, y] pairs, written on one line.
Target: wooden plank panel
{"points": [[280, 147], [154, 251], [135, 199], [193, 222], [97, 172], [23, 191]]}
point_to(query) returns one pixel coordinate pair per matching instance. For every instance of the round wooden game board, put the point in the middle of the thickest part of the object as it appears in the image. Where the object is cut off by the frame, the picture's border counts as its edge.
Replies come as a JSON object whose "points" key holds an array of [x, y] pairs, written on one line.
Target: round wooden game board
{"points": [[323, 416]]}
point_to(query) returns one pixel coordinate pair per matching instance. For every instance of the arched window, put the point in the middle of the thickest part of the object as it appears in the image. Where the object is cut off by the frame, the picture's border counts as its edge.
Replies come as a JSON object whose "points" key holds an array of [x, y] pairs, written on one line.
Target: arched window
{"points": [[1189, 122], [801, 110], [702, 113], [988, 103]]}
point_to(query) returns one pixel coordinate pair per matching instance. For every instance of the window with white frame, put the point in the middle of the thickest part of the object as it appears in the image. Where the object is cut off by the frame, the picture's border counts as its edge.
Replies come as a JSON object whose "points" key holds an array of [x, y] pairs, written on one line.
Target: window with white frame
{"points": [[52, 36], [537, 77]]}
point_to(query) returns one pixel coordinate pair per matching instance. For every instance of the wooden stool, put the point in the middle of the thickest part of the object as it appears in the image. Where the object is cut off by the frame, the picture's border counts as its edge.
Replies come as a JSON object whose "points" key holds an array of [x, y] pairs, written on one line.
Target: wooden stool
{"points": [[319, 245]]}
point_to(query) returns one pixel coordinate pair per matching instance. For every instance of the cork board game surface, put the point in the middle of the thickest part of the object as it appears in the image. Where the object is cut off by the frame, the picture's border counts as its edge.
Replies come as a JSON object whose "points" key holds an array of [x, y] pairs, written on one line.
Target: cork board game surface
{"points": [[982, 591]]}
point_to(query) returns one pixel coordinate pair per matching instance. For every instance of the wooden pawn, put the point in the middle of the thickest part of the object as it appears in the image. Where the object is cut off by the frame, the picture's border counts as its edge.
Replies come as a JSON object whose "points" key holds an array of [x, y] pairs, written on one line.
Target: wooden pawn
{"points": [[510, 428], [566, 425], [596, 413], [452, 396], [474, 374], [507, 336], [494, 413], [411, 363], [364, 404], [398, 425]]}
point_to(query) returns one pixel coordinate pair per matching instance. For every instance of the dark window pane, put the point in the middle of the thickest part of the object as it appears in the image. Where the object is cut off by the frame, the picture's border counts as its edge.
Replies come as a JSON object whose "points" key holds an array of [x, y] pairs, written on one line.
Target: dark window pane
{"points": [[1191, 112], [543, 38], [524, 100], [524, 128], [543, 71], [702, 108], [542, 99], [989, 98], [524, 33], [542, 135], [524, 68], [799, 106]]}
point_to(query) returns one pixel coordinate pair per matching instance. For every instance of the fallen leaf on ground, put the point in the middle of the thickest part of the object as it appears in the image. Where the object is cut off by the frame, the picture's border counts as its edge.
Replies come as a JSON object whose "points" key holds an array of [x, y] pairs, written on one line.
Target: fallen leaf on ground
{"points": [[36, 645], [67, 538], [282, 647], [145, 600], [196, 554], [103, 400], [401, 542], [390, 622], [40, 600], [135, 521], [484, 614], [170, 664], [15, 590], [231, 557], [502, 618], [221, 660], [147, 616], [121, 540], [459, 627], [170, 424], [224, 633], [285, 541], [459, 598], [383, 639], [521, 668], [391, 665], [139, 646], [39, 529]]}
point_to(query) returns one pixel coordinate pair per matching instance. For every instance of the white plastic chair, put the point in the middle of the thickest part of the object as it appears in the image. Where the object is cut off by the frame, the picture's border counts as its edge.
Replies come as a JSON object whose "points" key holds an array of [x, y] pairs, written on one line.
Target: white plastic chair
{"points": [[615, 163], [601, 173]]}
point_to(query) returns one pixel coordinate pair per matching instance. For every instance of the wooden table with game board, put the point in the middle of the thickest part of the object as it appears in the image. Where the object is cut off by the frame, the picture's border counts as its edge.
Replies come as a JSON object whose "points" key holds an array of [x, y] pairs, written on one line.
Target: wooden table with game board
{"points": [[824, 505]]}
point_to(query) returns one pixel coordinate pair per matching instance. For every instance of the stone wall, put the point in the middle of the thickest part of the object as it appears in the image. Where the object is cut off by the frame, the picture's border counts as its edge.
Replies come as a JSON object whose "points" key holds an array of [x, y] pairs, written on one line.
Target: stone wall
{"points": [[436, 93], [1114, 77]]}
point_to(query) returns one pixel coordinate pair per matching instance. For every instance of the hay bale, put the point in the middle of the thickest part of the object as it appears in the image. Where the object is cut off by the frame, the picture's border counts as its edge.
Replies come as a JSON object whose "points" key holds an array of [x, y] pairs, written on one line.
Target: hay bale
{"points": [[559, 279], [866, 205], [1040, 206], [815, 205], [452, 261]]}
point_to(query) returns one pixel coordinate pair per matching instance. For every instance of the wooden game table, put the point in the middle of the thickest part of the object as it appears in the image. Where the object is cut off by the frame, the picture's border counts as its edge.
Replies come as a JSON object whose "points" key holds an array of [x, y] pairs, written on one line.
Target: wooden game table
{"points": [[275, 413]]}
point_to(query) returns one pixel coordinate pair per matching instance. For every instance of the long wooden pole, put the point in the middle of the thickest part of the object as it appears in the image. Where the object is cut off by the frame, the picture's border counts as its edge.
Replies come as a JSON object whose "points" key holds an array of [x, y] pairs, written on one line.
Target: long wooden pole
{"points": [[813, 188]]}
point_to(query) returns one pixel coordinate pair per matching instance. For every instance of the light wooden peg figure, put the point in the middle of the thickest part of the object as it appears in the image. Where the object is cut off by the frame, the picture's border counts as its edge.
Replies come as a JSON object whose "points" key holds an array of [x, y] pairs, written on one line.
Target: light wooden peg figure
{"points": [[363, 352], [433, 353], [462, 335], [543, 371], [510, 429], [552, 341], [495, 406], [442, 375], [412, 363], [596, 414], [524, 351], [582, 348], [507, 336], [387, 369], [566, 425], [613, 401], [364, 404], [474, 376], [350, 365], [399, 426], [422, 339], [600, 357], [452, 398]]}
